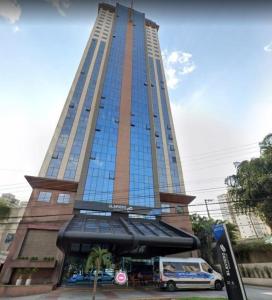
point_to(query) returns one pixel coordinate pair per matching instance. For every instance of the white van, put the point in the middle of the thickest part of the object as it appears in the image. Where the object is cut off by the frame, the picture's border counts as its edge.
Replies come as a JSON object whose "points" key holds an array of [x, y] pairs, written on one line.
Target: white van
{"points": [[189, 273]]}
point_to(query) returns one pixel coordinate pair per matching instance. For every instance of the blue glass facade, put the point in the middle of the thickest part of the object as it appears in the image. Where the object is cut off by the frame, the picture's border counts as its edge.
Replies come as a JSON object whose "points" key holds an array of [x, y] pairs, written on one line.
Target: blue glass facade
{"points": [[141, 170], [101, 169], [161, 166], [97, 176], [71, 167], [168, 132], [54, 165]]}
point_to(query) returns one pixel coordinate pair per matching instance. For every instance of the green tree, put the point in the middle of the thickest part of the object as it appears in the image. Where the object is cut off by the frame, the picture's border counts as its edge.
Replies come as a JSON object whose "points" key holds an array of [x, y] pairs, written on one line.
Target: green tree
{"points": [[251, 187], [202, 227], [4, 209], [98, 258], [233, 232]]}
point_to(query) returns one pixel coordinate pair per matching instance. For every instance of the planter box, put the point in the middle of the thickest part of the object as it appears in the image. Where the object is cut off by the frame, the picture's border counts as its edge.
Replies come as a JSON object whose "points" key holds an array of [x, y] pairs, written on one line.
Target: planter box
{"points": [[258, 281], [21, 263], [22, 290]]}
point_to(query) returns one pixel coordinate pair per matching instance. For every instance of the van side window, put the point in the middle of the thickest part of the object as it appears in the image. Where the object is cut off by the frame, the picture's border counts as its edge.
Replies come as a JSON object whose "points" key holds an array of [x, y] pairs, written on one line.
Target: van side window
{"points": [[205, 267], [191, 267], [172, 267]]}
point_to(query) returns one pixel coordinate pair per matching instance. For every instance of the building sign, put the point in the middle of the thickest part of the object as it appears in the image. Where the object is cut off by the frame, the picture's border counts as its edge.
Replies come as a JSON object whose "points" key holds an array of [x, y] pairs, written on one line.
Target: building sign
{"points": [[121, 277], [233, 281], [119, 207], [122, 208]]}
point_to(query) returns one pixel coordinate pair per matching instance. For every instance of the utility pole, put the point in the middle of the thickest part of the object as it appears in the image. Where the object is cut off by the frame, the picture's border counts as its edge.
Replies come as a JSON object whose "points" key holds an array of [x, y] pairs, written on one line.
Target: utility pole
{"points": [[207, 208]]}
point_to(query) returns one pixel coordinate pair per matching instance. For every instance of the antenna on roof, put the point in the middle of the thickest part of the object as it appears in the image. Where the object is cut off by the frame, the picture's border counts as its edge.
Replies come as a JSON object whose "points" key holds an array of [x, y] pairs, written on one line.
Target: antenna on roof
{"points": [[130, 10]]}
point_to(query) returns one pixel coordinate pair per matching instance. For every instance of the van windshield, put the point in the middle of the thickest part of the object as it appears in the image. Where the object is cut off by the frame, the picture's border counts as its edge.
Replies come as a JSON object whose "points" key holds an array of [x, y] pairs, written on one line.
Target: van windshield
{"points": [[205, 267]]}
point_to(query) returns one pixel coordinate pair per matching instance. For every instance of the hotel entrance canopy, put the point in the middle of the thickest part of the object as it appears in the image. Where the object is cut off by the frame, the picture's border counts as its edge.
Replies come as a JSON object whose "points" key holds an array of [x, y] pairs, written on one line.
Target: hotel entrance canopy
{"points": [[124, 236]]}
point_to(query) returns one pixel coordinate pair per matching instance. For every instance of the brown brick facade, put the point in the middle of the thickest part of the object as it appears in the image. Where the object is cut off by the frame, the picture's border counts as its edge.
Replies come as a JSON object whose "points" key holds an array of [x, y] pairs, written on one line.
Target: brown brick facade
{"points": [[39, 243], [36, 237]]}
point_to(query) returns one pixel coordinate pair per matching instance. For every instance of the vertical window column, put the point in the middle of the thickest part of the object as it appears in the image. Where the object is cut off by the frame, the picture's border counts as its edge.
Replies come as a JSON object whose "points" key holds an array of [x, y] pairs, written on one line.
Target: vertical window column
{"points": [[168, 133], [102, 156], [55, 162], [141, 168], [73, 160]]}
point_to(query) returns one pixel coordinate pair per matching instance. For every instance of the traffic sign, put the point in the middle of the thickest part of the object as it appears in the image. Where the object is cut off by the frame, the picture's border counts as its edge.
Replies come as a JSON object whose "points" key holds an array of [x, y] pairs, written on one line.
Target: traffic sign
{"points": [[121, 277]]}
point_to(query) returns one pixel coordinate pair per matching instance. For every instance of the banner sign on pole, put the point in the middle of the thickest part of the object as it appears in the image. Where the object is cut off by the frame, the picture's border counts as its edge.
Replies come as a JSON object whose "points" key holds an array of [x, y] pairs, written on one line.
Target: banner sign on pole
{"points": [[233, 281]]}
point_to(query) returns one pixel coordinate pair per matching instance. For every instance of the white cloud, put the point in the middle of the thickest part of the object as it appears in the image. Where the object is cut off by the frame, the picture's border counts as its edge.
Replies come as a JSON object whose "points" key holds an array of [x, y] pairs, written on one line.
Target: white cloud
{"points": [[60, 5], [188, 69], [10, 10], [16, 29], [176, 65], [268, 48]]}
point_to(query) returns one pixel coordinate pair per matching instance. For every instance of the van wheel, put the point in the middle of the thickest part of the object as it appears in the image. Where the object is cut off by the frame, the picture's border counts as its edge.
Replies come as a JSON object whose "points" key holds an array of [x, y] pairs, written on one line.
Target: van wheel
{"points": [[171, 286], [218, 285]]}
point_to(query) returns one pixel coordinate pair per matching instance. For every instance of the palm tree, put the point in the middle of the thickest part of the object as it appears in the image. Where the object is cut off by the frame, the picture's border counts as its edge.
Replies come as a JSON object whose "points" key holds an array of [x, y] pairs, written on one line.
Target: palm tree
{"points": [[97, 259]]}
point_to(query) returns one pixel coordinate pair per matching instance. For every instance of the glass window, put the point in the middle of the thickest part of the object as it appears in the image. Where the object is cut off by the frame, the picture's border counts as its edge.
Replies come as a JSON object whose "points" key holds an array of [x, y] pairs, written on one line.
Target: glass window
{"points": [[63, 198], [205, 267], [136, 216], [165, 208], [44, 196], [191, 267], [9, 238], [172, 148], [95, 213], [55, 163], [172, 267], [99, 184]]}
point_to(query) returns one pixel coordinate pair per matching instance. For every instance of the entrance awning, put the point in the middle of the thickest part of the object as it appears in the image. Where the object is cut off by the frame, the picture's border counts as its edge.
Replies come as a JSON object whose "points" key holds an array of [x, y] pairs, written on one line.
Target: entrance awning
{"points": [[124, 236]]}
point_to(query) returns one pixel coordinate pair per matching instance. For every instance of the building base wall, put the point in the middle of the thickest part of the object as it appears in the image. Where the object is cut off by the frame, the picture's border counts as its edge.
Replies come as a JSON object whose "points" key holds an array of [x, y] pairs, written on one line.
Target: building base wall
{"points": [[28, 253], [16, 291]]}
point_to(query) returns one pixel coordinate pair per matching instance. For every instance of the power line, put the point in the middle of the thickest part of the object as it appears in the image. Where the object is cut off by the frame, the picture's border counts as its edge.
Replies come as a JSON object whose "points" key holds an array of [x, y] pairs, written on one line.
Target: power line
{"points": [[151, 188], [25, 183], [225, 149], [215, 158], [138, 210]]}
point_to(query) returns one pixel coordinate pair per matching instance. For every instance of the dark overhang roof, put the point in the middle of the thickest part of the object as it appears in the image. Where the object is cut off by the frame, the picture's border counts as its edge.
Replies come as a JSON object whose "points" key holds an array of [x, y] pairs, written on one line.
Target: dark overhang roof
{"points": [[125, 236], [51, 184], [176, 198]]}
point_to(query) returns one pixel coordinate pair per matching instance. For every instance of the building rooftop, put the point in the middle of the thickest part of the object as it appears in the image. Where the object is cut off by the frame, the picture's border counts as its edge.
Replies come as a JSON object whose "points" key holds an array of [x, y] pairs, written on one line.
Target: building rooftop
{"points": [[111, 8]]}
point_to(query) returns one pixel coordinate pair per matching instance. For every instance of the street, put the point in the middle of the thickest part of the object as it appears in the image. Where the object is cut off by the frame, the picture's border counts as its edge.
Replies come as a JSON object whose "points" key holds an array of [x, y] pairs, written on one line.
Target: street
{"points": [[258, 293], [253, 293]]}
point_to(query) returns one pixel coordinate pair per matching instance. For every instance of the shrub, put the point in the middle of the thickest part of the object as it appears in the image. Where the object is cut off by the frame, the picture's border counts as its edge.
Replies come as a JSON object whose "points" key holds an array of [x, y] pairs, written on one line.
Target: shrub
{"points": [[34, 258], [268, 272]]}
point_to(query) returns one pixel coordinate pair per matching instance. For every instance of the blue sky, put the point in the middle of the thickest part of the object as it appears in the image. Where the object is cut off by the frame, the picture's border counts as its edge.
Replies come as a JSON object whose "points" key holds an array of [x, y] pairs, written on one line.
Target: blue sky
{"points": [[219, 76]]}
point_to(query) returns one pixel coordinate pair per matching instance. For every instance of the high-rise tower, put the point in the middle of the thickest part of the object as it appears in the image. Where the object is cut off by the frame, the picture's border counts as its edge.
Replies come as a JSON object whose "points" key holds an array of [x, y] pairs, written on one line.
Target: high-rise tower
{"points": [[113, 161], [116, 130]]}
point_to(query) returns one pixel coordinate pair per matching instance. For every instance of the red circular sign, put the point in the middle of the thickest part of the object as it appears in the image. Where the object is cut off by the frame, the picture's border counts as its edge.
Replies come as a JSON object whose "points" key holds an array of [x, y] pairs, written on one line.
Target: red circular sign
{"points": [[121, 277]]}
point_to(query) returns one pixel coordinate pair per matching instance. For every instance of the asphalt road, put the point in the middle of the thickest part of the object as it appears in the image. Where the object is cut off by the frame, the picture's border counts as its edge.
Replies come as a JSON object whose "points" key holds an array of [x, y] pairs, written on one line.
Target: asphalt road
{"points": [[258, 293], [253, 293]]}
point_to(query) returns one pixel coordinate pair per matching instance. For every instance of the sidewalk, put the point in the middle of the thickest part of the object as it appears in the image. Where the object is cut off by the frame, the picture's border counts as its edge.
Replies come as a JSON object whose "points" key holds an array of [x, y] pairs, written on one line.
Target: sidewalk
{"points": [[120, 294]]}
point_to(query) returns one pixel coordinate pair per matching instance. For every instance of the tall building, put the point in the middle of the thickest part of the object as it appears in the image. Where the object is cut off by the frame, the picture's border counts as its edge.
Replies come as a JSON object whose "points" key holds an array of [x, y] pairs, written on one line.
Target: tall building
{"points": [[249, 225], [112, 173]]}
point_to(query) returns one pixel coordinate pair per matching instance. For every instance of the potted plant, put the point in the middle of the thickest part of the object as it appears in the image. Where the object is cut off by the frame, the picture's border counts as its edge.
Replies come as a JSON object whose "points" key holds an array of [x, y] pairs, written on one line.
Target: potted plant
{"points": [[19, 280], [29, 272]]}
